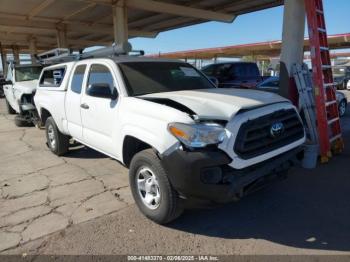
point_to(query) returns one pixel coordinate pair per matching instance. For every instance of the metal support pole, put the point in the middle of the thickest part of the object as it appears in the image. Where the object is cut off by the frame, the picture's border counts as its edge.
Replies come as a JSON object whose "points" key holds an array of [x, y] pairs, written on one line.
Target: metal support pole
{"points": [[120, 22], [292, 46]]}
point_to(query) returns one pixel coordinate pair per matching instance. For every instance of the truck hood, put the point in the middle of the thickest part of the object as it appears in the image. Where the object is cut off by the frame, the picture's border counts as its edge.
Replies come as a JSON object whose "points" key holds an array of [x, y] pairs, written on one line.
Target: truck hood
{"points": [[218, 103], [26, 87]]}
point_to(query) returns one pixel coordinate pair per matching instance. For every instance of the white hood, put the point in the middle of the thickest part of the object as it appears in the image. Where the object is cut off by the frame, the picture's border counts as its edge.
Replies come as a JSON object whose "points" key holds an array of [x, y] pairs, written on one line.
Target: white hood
{"points": [[26, 87], [219, 103]]}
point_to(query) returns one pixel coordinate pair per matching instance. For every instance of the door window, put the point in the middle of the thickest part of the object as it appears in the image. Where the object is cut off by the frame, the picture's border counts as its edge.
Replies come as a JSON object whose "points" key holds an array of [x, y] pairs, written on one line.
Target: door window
{"points": [[78, 77], [100, 76]]}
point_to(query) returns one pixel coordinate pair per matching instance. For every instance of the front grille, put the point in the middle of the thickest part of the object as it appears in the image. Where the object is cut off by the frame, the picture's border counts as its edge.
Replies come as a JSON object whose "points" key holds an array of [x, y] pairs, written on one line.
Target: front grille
{"points": [[254, 137]]}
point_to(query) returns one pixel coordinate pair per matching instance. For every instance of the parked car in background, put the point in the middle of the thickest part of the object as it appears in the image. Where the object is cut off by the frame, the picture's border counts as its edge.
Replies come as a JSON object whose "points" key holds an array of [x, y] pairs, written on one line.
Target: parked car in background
{"points": [[272, 85], [234, 74], [341, 76], [19, 89], [182, 138]]}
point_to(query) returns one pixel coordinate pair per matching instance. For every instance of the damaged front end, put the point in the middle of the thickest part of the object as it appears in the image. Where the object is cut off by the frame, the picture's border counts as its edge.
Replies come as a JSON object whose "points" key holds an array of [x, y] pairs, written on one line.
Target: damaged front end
{"points": [[28, 113]]}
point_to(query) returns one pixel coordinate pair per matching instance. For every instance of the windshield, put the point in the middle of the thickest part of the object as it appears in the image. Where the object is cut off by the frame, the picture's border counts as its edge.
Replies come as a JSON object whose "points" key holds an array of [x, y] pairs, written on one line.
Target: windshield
{"points": [[143, 78], [27, 73]]}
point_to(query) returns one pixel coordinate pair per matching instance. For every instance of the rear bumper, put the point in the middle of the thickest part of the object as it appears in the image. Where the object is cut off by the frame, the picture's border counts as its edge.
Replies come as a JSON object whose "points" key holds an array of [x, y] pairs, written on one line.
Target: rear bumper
{"points": [[206, 175]]}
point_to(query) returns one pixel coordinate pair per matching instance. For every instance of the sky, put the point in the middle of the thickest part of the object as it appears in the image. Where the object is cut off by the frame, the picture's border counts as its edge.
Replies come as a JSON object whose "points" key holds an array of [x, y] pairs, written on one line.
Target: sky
{"points": [[254, 27]]}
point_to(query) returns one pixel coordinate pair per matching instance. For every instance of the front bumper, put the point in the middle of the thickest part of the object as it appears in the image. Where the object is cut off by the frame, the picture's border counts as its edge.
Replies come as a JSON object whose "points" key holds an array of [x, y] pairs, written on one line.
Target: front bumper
{"points": [[206, 174]]}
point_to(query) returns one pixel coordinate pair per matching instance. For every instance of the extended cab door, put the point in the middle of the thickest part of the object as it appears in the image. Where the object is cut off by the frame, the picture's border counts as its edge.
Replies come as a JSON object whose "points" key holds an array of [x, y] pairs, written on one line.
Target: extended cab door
{"points": [[73, 100], [99, 109]]}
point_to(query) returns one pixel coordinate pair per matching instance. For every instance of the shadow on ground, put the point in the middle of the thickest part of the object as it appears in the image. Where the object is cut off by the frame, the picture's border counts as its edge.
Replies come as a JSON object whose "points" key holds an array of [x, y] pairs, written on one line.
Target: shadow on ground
{"points": [[80, 151], [310, 209]]}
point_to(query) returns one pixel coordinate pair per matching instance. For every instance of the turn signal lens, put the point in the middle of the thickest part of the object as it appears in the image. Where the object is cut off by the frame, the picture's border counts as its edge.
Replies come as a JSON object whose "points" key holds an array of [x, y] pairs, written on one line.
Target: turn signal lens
{"points": [[197, 135], [178, 132]]}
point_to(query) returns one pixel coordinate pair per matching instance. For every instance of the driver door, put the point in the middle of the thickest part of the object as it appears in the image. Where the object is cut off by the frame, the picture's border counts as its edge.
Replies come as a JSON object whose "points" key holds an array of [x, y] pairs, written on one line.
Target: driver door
{"points": [[99, 109]]}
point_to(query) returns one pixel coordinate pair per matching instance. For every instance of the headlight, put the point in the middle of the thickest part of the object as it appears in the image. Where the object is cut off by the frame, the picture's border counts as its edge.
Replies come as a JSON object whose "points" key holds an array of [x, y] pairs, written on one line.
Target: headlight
{"points": [[197, 135]]}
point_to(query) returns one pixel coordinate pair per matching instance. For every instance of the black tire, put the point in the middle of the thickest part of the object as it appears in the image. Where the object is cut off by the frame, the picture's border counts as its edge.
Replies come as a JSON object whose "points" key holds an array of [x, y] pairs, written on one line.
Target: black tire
{"points": [[170, 206], [342, 107], [60, 146], [10, 110], [22, 122]]}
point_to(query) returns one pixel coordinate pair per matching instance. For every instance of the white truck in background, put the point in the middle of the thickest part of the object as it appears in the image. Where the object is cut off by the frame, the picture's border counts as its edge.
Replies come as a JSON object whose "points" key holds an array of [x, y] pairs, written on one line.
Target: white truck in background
{"points": [[19, 89], [182, 138]]}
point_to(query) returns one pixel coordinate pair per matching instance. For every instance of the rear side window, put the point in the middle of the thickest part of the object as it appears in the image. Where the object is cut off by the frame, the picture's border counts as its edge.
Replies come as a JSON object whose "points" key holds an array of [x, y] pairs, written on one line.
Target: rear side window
{"points": [[77, 79], [53, 77]]}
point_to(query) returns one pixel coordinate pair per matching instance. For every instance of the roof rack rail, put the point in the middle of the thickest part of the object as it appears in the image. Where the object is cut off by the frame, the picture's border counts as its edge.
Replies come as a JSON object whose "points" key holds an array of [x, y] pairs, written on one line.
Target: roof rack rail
{"points": [[61, 55]]}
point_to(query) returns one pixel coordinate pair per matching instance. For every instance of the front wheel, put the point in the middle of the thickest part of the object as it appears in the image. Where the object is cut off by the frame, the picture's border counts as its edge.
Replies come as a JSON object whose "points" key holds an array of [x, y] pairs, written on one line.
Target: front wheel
{"points": [[57, 142], [151, 188]]}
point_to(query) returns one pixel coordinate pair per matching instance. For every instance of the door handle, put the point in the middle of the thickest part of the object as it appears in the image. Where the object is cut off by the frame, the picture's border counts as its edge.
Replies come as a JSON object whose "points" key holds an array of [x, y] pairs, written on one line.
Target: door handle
{"points": [[84, 106]]}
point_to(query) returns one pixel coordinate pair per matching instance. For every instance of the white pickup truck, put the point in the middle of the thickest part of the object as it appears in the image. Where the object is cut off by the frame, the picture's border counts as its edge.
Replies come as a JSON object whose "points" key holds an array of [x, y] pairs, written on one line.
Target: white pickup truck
{"points": [[182, 138], [19, 89]]}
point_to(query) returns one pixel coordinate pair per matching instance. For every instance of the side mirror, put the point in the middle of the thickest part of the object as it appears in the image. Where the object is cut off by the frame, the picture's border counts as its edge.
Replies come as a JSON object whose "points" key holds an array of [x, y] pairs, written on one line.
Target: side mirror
{"points": [[5, 82], [214, 80], [102, 90]]}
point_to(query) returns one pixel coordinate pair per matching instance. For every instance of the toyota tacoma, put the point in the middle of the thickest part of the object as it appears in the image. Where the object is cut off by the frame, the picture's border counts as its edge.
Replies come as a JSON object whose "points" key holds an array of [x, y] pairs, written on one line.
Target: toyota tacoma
{"points": [[183, 139]]}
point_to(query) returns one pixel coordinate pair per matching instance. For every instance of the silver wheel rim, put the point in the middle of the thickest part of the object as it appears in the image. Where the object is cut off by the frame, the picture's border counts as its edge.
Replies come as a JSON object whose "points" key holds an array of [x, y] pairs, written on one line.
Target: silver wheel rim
{"points": [[342, 108], [148, 188], [51, 136]]}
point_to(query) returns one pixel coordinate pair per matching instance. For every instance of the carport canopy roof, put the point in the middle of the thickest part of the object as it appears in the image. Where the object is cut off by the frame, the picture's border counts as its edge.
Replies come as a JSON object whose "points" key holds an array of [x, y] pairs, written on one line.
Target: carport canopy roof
{"points": [[90, 23], [260, 51]]}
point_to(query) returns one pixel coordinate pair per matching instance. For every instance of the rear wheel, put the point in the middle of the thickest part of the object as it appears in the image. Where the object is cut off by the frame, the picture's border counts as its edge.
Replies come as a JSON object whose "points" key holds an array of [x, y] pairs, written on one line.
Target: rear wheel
{"points": [[57, 142], [10, 110], [151, 188]]}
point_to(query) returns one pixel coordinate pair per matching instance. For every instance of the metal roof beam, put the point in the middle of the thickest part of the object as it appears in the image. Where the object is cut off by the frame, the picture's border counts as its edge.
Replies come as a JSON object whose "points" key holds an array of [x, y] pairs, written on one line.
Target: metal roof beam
{"points": [[36, 10], [91, 5], [179, 10], [23, 40], [19, 24]]}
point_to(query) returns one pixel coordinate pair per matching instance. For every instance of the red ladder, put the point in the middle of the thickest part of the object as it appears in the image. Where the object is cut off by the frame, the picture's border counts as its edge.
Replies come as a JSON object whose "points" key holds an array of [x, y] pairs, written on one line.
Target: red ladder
{"points": [[328, 122]]}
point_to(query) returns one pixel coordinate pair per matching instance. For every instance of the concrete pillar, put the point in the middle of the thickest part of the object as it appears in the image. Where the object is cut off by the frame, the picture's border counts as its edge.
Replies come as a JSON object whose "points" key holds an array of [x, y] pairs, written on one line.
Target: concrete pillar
{"points": [[292, 46], [15, 51], [32, 49], [61, 35], [120, 22]]}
